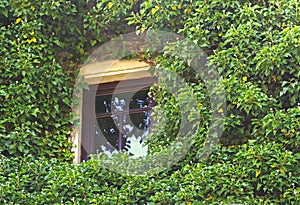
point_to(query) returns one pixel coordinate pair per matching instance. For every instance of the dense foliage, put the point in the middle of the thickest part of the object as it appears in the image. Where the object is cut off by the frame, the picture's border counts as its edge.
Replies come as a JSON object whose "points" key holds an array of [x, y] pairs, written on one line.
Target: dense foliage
{"points": [[254, 45]]}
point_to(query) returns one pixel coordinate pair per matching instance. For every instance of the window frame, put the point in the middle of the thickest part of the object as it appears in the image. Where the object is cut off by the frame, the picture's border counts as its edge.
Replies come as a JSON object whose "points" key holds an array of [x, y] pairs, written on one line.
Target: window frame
{"points": [[89, 116], [109, 71]]}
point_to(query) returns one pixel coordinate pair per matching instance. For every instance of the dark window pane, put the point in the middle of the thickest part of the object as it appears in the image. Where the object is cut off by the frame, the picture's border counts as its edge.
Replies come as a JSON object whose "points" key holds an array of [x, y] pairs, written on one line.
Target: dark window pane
{"points": [[140, 120], [139, 100], [120, 102], [103, 104], [124, 128], [107, 132]]}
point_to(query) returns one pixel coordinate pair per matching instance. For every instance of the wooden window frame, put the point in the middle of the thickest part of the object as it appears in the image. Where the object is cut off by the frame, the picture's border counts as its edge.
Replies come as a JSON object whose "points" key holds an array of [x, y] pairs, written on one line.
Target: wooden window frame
{"points": [[88, 108], [110, 71]]}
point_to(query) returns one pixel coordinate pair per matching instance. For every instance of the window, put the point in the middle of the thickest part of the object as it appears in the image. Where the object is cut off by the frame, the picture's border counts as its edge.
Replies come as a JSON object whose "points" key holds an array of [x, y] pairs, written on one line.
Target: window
{"points": [[114, 111], [116, 116]]}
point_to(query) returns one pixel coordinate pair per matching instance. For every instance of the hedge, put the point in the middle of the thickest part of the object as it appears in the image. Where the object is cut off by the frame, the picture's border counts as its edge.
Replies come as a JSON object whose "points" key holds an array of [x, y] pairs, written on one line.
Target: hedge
{"points": [[253, 173], [254, 46]]}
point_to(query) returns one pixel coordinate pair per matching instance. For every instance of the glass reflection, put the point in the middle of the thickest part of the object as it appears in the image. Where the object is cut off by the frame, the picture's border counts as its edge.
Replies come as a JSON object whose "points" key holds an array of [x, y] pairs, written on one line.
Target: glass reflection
{"points": [[126, 122]]}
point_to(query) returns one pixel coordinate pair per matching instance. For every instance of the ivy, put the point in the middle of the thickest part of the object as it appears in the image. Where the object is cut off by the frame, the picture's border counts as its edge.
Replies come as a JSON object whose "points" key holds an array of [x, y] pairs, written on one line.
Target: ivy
{"points": [[253, 44]]}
